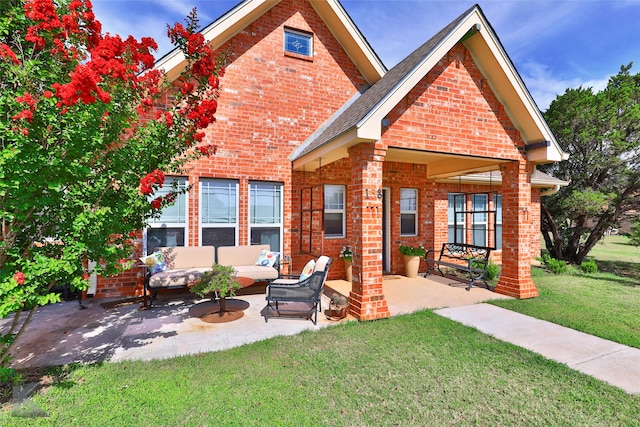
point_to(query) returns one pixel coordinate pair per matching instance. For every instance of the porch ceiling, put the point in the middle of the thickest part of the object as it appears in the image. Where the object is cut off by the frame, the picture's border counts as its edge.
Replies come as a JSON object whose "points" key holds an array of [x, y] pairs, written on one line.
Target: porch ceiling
{"points": [[440, 165]]}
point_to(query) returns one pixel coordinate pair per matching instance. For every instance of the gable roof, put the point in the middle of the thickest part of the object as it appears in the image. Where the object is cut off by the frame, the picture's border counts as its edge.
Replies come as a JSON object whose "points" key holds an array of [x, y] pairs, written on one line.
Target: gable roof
{"points": [[362, 120], [246, 12]]}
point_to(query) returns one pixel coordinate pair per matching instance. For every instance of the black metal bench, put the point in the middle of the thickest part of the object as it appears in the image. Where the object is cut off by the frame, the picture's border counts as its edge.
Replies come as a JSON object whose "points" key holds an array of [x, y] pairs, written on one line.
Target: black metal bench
{"points": [[461, 256]]}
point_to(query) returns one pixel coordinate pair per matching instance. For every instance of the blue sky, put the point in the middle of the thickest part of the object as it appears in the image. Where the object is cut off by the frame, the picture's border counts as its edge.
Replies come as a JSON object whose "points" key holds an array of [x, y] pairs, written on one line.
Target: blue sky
{"points": [[554, 44]]}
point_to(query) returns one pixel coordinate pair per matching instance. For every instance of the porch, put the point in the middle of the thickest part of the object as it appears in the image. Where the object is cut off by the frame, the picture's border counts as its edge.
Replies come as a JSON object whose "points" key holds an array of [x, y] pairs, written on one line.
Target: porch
{"points": [[62, 334]]}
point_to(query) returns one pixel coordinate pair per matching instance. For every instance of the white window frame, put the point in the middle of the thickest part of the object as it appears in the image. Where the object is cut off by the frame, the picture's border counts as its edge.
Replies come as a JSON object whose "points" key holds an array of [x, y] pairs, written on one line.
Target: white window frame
{"points": [[498, 220], [203, 225], [451, 209], [342, 211], [159, 223], [279, 224], [303, 34], [413, 211], [482, 215]]}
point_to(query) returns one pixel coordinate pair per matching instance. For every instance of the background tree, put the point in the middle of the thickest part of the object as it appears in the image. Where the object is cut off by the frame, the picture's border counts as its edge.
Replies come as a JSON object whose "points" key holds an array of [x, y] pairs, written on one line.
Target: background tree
{"points": [[601, 133], [88, 129]]}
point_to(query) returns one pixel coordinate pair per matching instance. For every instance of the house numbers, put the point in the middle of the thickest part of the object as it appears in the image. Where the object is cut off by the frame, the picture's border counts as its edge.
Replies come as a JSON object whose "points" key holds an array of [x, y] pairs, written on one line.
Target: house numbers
{"points": [[374, 194]]}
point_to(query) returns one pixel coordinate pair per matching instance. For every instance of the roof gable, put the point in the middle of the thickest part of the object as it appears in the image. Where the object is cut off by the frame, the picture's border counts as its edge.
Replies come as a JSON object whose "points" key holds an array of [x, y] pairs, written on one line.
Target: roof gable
{"points": [[362, 120], [246, 12]]}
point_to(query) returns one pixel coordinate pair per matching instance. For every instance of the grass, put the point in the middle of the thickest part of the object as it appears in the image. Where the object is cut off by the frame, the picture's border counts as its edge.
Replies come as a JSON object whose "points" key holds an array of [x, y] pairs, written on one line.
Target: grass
{"points": [[605, 304], [417, 369]]}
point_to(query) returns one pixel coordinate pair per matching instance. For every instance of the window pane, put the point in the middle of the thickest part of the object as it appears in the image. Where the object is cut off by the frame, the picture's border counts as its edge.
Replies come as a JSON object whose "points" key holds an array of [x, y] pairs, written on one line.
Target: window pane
{"points": [[218, 237], [498, 236], [408, 199], [160, 237], [334, 197], [176, 213], [265, 203], [408, 224], [266, 236], [333, 224], [218, 202], [480, 202], [480, 235], [297, 43]]}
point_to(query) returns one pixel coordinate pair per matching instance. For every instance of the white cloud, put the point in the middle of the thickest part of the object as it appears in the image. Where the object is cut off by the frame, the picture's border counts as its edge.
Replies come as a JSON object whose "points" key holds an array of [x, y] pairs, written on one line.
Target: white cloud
{"points": [[545, 86]]}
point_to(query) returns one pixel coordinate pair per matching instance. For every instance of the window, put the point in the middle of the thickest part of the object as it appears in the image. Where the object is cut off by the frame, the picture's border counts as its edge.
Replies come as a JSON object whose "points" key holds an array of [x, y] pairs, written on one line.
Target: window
{"points": [[480, 209], [298, 42], [218, 212], [456, 218], [334, 217], [265, 214], [171, 228], [497, 206], [408, 212]]}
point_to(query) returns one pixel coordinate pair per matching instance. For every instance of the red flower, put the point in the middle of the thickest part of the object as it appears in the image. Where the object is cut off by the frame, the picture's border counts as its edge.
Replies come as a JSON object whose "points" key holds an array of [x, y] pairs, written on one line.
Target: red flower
{"points": [[19, 277], [156, 203], [6, 52], [25, 114], [148, 181]]}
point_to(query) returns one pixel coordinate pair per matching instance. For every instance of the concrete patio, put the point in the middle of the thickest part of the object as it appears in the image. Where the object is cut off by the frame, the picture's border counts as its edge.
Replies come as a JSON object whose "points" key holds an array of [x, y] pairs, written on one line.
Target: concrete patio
{"points": [[62, 333]]}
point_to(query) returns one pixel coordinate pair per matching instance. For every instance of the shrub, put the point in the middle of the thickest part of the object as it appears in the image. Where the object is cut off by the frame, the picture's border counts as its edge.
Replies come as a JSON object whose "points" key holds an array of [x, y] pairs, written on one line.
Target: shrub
{"points": [[493, 271], [556, 266], [589, 266], [413, 250]]}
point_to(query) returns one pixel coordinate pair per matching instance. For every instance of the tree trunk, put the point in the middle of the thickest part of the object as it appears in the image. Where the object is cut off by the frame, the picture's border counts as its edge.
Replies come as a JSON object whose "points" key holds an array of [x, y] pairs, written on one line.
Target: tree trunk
{"points": [[549, 226]]}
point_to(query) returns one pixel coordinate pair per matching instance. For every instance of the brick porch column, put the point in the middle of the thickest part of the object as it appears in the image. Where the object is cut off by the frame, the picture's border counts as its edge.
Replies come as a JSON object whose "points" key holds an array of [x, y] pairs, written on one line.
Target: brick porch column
{"points": [[366, 298], [517, 229]]}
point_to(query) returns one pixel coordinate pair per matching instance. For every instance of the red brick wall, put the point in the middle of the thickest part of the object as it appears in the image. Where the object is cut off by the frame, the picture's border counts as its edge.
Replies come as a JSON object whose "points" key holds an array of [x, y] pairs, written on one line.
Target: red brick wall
{"points": [[269, 104], [453, 110]]}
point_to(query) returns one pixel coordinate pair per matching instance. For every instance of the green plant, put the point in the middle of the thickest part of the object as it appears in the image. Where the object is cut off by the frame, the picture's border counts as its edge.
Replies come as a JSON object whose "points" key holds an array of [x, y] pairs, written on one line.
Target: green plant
{"points": [[589, 266], [556, 266], [413, 250], [492, 272], [346, 253], [221, 279]]}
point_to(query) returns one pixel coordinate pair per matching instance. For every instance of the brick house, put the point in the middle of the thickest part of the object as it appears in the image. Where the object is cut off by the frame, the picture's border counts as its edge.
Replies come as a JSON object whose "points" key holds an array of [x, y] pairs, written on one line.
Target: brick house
{"points": [[320, 147]]}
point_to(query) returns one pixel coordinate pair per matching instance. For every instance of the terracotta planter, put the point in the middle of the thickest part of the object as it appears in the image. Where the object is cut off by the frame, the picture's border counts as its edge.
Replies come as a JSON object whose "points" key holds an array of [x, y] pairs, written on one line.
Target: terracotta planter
{"points": [[411, 265], [337, 313], [348, 270]]}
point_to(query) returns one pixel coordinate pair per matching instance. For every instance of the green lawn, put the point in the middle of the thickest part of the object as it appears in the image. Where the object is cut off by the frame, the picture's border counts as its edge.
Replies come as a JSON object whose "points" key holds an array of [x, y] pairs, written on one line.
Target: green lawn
{"points": [[603, 304], [417, 369]]}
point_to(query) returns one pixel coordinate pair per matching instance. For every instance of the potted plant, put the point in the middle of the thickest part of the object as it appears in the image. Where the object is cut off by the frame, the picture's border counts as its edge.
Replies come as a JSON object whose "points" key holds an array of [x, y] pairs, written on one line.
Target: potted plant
{"points": [[338, 306], [220, 281], [411, 256], [347, 257]]}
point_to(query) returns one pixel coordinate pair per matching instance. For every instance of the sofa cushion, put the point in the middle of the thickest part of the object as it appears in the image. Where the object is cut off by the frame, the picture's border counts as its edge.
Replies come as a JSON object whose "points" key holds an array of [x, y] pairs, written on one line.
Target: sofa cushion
{"points": [[240, 255], [184, 257], [256, 272], [267, 258], [179, 277], [155, 262]]}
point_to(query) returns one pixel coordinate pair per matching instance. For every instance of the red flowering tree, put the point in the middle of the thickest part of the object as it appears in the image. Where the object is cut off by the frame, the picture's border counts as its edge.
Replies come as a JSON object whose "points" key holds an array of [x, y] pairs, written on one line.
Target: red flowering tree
{"points": [[88, 130]]}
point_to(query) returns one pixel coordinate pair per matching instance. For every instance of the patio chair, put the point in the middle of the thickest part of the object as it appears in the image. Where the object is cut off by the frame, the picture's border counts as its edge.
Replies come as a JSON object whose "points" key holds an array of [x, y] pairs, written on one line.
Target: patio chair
{"points": [[302, 298]]}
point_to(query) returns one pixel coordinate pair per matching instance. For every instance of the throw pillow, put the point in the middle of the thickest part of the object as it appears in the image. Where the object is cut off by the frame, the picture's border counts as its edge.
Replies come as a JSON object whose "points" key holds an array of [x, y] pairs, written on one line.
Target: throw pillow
{"points": [[267, 259], [155, 262], [307, 270]]}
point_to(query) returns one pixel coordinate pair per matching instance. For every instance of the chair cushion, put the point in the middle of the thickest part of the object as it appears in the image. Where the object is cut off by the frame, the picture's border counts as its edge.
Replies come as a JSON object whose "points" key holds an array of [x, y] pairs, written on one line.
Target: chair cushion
{"points": [[307, 270]]}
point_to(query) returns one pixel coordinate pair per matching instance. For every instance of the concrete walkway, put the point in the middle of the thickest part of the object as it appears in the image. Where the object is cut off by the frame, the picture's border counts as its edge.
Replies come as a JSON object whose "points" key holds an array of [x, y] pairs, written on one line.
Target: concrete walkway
{"points": [[608, 361]]}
